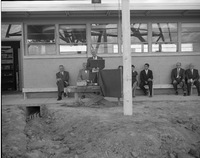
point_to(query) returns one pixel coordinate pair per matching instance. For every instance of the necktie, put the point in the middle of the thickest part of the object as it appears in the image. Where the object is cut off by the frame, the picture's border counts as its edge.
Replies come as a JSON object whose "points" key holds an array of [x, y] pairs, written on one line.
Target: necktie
{"points": [[178, 71]]}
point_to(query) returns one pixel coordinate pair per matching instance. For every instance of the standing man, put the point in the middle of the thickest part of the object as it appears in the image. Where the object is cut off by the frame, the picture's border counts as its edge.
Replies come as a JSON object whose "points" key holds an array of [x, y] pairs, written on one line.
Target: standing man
{"points": [[93, 71], [146, 78], [178, 78], [62, 81], [192, 78]]}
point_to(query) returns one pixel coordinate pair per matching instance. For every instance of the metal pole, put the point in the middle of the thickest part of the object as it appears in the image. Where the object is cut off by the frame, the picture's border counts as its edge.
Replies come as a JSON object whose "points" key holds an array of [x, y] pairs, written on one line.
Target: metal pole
{"points": [[127, 77]]}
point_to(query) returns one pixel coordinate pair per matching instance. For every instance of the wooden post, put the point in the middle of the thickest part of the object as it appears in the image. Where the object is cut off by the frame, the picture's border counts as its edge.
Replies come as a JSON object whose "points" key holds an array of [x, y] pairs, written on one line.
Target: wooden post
{"points": [[127, 77]]}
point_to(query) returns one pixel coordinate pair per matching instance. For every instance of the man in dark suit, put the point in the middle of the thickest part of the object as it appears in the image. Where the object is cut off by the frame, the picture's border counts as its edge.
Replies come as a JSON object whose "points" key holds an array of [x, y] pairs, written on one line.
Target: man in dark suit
{"points": [[146, 78], [192, 78], [93, 71], [62, 81], [178, 78]]}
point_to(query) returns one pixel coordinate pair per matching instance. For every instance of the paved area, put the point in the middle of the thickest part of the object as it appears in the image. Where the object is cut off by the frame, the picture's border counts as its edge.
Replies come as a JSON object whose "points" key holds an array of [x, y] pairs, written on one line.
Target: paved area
{"points": [[18, 99]]}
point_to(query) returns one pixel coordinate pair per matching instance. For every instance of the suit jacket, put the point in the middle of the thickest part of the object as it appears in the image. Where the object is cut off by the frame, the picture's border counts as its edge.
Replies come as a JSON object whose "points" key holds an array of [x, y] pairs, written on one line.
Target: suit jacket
{"points": [[64, 77], [189, 75], [174, 74], [144, 77], [89, 63]]}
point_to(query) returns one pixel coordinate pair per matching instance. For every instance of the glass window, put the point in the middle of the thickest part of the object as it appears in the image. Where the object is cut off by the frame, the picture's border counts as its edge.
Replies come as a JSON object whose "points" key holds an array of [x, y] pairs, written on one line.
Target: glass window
{"points": [[11, 31], [104, 38], [190, 37], [139, 36], [41, 39], [72, 39], [164, 37]]}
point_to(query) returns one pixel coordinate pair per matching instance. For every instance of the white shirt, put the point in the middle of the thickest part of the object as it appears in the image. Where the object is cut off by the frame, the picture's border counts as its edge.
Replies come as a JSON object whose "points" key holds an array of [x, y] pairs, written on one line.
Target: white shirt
{"points": [[95, 58], [146, 72]]}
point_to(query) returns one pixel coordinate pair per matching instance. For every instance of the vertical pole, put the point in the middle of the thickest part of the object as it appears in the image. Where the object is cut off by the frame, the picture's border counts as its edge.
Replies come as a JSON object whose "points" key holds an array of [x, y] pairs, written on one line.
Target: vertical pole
{"points": [[127, 77]]}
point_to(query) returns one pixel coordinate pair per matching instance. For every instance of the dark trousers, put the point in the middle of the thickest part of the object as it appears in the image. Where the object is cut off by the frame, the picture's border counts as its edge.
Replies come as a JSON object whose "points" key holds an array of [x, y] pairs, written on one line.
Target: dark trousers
{"points": [[61, 84], [181, 84], [93, 76], [149, 83], [196, 83]]}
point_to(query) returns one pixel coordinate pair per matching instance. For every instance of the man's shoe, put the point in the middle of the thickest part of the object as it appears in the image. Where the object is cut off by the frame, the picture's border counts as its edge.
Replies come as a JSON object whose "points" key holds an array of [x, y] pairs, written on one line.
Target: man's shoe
{"points": [[150, 96], [65, 94], [184, 94], [59, 98], [176, 93], [199, 94]]}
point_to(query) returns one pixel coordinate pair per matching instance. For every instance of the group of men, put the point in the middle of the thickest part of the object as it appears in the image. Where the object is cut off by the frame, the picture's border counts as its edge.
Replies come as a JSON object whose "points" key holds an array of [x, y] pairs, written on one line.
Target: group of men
{"points": [[184, 78], [87, 73]]}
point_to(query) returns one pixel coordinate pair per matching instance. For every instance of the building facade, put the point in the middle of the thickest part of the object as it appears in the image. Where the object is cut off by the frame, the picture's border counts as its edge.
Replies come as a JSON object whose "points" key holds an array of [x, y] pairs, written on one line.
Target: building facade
{"points": [[45, 34]]}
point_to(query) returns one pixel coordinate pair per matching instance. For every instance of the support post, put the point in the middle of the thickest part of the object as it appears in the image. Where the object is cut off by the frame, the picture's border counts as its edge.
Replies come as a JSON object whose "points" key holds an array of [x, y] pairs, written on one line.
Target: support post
{"points": [[127, 77]]}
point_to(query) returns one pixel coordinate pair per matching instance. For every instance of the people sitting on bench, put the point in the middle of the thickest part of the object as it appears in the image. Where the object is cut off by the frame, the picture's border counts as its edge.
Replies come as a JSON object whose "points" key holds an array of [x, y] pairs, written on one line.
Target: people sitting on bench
{"points": [[192, 78], [62, 81], [178, 78], [146, 78]]}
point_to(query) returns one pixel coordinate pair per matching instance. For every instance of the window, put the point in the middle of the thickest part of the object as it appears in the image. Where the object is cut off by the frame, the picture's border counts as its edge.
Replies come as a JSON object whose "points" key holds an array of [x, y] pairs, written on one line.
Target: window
{"points": [[190, 37], [72, 39], [139, 34], [11, 31], [104, 38], [164, 37], [41, 39]]}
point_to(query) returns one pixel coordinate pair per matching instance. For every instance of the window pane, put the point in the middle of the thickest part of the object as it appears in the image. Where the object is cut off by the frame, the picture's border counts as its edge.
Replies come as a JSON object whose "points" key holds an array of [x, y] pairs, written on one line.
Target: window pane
{"points": [[106, 33], [164, 47], [72, 34], [190, 37], [164, 32], [139, 48], [41, 34], [11, 31], [73, 49], [139, 33], [105, 48], [41, 49]]}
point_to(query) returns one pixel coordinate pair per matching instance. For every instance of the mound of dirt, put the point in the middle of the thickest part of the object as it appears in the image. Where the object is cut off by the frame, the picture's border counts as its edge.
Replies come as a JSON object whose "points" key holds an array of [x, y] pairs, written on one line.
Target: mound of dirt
{"points": [[156, 130]]}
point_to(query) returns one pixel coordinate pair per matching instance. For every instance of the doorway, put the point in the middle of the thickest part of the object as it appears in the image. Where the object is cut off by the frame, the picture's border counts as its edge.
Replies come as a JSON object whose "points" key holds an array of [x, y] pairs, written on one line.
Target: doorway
{"points": [[10, 69]]}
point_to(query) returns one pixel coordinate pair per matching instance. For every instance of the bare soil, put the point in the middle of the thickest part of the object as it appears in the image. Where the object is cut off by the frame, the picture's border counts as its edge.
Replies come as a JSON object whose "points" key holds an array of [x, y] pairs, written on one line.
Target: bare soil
{"points": [[168, 129]]}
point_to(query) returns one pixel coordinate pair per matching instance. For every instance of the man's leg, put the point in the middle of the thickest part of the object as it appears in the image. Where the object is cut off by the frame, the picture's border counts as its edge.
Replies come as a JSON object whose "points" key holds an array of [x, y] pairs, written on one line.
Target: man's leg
{"points": [[134, 88], [197, 84], [183, 85], [189, 85], [150, 84], [143, 88], [175, 87], [60, 85]]}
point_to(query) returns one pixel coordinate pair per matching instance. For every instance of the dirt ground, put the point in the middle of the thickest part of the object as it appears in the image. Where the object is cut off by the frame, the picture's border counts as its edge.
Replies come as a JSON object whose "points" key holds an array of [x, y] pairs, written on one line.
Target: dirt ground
{"points": [[168, 129]]}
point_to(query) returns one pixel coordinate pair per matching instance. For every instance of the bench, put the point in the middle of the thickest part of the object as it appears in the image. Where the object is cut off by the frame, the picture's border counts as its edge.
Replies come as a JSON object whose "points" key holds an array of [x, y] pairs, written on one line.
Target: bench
{"points": [[82, 89], [69, 89]]}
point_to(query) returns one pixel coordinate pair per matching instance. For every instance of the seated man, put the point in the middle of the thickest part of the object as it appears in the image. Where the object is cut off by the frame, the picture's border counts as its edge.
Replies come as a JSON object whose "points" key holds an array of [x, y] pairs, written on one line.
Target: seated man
{"points": [[178, 78], [192, 78], [83, 74], [93, 71], [62, 81], [146, 78]]}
